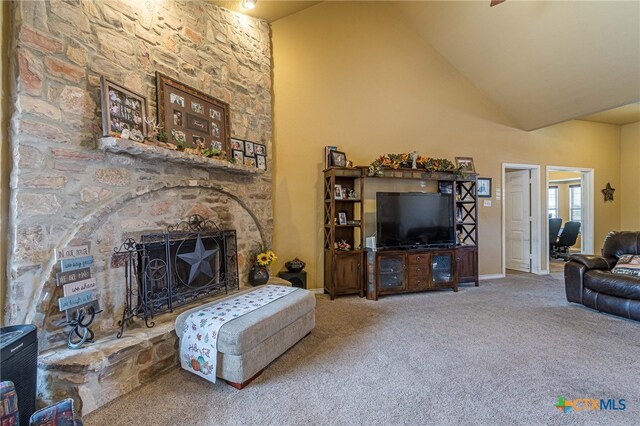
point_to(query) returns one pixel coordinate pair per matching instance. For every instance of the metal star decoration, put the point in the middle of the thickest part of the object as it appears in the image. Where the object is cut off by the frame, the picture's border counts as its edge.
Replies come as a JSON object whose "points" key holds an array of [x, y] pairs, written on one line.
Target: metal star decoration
{"points": [[199, 260], [608, 193]]}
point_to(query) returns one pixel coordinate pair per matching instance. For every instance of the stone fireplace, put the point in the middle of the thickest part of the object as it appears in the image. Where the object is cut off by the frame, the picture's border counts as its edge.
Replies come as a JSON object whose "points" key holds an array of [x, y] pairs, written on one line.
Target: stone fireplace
{"points": [[70, 186]]}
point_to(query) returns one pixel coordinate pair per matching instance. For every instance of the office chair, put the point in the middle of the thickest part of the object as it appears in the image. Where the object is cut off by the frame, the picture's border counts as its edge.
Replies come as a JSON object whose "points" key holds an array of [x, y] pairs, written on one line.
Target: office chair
{"points": [[555, 223], [567, 238]]}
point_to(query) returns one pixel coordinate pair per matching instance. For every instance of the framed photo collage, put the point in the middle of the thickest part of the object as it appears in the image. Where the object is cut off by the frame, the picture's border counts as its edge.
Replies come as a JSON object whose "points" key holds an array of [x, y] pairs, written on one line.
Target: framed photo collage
{"points": [[191, 118], [251, 154]]}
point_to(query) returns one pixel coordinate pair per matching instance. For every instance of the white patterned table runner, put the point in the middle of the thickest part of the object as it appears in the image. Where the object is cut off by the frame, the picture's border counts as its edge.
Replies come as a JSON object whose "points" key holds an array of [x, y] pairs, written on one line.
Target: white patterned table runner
{"points": [[199, 341]]}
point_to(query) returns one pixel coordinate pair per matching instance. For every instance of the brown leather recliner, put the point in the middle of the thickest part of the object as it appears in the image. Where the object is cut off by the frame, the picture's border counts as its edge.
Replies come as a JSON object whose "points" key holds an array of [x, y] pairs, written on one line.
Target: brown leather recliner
{"points": [[588, 278]]}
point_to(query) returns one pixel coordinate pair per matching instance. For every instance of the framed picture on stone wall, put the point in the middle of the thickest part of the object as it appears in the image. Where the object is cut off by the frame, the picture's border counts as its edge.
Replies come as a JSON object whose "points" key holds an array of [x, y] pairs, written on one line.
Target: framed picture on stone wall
{"points": [[124, 113], [192, 118]]}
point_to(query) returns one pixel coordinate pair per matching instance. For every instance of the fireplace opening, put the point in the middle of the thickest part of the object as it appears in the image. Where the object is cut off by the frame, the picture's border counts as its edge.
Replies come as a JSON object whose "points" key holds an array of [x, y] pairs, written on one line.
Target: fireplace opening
{"points": [[191, 261]]}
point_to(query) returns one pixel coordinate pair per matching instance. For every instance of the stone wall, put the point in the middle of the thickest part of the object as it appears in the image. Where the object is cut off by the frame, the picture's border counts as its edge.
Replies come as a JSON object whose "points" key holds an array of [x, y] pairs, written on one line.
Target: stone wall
{"points": [[66, 190]]}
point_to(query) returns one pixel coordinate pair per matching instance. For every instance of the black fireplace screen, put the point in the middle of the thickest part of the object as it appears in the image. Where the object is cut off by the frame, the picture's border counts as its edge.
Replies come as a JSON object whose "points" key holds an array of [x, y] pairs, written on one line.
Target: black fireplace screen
{"points": [[192, 260]]}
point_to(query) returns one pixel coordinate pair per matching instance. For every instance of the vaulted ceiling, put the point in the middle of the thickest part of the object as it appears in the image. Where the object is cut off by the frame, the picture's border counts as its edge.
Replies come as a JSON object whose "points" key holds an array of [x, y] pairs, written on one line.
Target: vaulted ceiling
{"points": [[541, 62]]}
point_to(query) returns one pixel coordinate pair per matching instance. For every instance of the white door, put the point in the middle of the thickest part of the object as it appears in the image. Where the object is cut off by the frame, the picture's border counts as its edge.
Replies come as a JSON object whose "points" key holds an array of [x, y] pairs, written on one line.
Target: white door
{"points": [[518, 220]]}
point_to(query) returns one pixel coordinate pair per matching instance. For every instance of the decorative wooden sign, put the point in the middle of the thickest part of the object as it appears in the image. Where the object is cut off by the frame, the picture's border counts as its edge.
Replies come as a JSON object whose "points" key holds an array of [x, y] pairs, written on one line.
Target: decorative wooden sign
{"points": [[76, 300], [79, 286], [76, 263], [73, 276], [80, 302], [71, 252]]}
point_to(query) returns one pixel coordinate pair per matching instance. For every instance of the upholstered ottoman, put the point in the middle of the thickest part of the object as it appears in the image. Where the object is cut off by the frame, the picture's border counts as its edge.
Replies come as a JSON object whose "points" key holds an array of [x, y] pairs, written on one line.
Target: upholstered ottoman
{"points": [[246, 345]]}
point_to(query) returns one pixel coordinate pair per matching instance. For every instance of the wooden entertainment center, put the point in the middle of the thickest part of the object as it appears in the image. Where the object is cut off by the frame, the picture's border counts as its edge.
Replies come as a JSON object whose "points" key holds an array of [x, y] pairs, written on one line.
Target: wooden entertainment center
{"points": [[349, 217]]}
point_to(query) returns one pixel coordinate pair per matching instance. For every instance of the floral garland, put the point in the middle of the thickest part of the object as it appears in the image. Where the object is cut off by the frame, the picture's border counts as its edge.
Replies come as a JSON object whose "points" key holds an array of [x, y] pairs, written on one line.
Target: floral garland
{"points": [[397, 161]]}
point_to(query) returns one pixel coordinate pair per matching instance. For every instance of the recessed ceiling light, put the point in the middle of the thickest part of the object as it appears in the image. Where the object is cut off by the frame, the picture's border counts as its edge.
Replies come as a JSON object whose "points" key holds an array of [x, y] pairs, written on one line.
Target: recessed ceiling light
{"points": [[249, 4]]}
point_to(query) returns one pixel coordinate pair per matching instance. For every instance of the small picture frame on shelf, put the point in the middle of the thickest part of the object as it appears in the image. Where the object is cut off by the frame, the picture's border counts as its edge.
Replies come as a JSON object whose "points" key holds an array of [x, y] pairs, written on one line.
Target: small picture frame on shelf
{"points": [[465, 164], [338, 159], [124, 113], [342, 218], [260, 149], [337, 192], [484, 187], [248, 149], [261, 162], [445, 187], [345, 193], [238, 156], [237, 144]]}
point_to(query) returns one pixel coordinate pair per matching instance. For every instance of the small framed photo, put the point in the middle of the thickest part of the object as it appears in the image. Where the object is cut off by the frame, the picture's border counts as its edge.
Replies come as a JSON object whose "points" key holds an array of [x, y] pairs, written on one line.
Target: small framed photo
{"points": [[122, 110], [465, 164], [342, 218], [177, 118], [260, 149], [238, 156], [197, 141], [484, 187], [249, 161], [445, 187], [237, 144], [337, 192], [338, 159], [248, 149], [261, 162], [345, 193]]}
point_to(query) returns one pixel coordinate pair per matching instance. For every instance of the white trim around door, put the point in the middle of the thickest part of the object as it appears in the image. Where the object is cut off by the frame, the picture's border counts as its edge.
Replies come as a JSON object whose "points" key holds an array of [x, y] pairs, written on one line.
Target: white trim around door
{"points": [[587, 234], [536, 225]]}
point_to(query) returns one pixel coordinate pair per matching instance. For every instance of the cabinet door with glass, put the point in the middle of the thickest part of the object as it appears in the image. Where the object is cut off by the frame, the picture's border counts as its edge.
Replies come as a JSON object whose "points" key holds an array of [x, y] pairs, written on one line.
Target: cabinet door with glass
{"points": [[443, 269], [391, 273]]}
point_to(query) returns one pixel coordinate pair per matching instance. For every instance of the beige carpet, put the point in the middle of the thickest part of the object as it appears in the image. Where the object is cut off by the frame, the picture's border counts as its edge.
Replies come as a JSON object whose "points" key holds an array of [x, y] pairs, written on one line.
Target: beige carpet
{"points": [[498, 354]]}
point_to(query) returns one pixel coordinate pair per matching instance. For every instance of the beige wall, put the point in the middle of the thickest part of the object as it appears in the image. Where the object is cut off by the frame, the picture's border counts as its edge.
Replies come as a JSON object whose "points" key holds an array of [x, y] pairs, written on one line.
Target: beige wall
{"points": [[5, 164], [629, 194], [354, 75]]}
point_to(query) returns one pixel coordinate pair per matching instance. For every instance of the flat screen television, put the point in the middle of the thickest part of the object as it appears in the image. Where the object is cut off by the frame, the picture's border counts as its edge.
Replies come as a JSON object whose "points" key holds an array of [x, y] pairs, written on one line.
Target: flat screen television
{"points": [[414, 219]]}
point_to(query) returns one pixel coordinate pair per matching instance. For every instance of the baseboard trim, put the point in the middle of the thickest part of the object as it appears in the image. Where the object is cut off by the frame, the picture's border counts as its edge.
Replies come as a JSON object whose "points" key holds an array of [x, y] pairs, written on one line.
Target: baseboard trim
{"points": [[491, 276], [316, 290]]}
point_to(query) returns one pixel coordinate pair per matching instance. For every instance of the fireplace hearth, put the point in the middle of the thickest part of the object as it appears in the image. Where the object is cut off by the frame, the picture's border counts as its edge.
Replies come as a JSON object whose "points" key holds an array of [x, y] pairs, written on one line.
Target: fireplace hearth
{"points": [[193, 260]]}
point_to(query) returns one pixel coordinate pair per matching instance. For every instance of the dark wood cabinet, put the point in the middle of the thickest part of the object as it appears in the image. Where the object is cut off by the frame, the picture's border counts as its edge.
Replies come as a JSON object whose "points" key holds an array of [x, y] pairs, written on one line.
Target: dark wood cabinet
{"points": [[348, 273], [402, 271], [467, 259], [349, 270]]}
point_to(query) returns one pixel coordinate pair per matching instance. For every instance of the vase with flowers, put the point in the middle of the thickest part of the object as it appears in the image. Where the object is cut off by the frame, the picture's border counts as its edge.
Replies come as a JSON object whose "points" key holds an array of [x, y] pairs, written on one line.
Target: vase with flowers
{"points": [[259, 272]]}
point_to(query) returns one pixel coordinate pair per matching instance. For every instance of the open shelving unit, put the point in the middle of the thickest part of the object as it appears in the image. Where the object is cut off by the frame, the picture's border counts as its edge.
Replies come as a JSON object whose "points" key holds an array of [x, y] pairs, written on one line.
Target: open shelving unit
{"points": [[343, 266], [365, 271]]}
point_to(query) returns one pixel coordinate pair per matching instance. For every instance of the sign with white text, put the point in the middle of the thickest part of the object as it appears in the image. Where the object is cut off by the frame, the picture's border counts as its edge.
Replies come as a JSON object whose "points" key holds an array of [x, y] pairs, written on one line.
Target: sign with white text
{"points": [[71, 252], [73, 276], [79, 286], [76, 263], [76, 300]]}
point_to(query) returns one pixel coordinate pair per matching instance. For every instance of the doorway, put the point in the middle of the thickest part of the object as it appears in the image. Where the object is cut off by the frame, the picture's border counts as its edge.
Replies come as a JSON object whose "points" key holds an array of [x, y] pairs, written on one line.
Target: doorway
{"points": [[572, 188], [521, 212]]}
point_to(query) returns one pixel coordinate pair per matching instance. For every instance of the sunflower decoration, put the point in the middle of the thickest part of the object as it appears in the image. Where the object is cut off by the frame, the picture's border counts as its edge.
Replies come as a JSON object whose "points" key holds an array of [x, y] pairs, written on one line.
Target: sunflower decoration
{"points": [[266, 257]]}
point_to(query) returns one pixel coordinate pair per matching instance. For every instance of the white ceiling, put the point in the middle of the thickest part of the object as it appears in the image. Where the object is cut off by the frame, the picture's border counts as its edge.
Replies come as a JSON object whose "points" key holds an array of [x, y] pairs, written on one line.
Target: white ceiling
{"points": [[542, 62]]}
